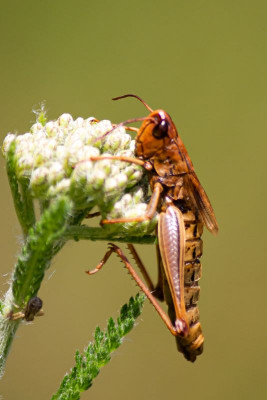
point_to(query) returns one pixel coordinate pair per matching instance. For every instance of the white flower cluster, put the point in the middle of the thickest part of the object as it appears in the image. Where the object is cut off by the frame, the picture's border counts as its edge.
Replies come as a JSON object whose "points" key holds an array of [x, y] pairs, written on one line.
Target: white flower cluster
{"points": [[131, 206], [55, 158]]}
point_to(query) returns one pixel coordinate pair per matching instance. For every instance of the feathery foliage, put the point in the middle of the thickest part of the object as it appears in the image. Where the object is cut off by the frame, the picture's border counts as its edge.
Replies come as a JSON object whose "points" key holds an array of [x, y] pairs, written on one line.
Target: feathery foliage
{"points": [[98, 353]]}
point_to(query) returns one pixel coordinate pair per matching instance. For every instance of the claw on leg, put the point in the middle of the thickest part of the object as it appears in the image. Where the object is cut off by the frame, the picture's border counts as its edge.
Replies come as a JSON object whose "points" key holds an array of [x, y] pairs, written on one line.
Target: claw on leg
{"points": [[102, 262]]}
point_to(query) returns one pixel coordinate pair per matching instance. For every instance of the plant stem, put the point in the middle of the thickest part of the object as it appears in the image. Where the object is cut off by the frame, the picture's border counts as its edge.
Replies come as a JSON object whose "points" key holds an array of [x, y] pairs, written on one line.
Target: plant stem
{"points": [[14, 186], [35, 258], [7, 332], [84, 232]]}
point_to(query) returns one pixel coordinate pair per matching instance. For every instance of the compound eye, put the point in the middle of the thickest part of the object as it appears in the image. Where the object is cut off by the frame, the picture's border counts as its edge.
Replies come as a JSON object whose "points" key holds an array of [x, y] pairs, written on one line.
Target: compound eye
{"points": [[160, 130]]}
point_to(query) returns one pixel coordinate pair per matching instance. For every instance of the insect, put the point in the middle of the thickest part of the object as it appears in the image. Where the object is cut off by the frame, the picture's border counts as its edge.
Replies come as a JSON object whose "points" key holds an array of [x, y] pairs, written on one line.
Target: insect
{"points": [[184, 209], [32, 309]]}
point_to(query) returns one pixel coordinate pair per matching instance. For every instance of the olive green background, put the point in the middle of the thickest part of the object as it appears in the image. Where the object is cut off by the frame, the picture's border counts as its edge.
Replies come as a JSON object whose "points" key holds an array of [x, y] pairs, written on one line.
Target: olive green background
{"points": [[205, 63]]}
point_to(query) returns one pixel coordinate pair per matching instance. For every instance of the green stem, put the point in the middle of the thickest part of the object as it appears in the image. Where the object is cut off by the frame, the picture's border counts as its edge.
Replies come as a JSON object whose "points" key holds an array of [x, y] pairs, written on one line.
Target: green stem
{"points": [[35, 258], [8, 329], [28, 206], [36, 254], [14, 186], [44, 204], [84, 232]]}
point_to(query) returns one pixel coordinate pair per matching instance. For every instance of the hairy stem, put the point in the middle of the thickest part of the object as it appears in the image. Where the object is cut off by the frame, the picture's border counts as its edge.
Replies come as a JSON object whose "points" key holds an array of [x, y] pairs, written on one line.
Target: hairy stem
{"points": [[29, 271], [84, 232], [14, 186]]}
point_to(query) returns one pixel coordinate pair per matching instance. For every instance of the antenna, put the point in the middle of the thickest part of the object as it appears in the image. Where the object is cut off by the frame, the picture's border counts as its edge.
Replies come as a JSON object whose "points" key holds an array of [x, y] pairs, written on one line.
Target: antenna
{"points": [[137, 97], [129, 121]]}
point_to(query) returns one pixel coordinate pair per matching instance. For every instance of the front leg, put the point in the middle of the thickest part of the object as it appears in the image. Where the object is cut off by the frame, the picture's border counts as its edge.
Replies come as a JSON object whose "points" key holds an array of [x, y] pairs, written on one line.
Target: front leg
{"points": [[130, 160]]}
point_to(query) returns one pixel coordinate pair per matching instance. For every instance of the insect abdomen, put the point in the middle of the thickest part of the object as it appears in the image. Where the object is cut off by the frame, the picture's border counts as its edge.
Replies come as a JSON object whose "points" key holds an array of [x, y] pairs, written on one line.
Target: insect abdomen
{"points": [[192, 345]]}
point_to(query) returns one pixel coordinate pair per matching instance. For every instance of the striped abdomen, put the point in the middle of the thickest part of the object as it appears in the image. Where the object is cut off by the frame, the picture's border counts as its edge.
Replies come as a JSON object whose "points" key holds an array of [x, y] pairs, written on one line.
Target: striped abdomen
{"points": [[192, 345]]}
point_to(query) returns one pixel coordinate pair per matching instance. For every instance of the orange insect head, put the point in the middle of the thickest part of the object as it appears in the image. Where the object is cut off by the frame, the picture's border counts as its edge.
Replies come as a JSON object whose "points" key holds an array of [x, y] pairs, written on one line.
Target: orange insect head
{"points": [[155, 134], [158, 141]]}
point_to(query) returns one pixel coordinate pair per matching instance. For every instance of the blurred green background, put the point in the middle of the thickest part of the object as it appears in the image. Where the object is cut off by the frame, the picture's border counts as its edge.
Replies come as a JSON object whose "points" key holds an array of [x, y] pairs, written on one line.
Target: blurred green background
{"points": [[204, 62]]}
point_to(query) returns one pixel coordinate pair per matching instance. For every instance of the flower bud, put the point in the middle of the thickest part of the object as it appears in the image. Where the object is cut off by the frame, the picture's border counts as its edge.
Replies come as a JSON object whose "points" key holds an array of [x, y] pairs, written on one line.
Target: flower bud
{"points": [[56, 172], [60, 188], [10, 137], [52, 129], [138, 196], [65, 120], [36, 128], [24, 165], [39, 181], [78, 123]]}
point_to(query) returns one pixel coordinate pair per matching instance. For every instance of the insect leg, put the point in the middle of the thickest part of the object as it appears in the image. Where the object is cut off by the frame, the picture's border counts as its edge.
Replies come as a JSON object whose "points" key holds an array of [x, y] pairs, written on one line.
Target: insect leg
{"points": [[131, 160], [131, 128], [14, 316], [140, 283], [39, 313], [159, 292], [150, 212], [128, 128], [142, 268], [102, 263]]}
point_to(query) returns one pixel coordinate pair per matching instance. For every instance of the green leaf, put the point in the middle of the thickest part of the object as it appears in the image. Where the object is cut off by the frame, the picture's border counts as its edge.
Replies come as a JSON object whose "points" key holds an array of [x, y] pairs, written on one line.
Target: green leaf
{"points": [[98, 353]]}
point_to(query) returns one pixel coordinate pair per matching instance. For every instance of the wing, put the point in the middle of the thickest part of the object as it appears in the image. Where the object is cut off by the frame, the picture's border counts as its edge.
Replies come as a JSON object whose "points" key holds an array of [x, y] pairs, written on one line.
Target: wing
{"points": [[201, 202], [171, 235], [197, 193]]}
